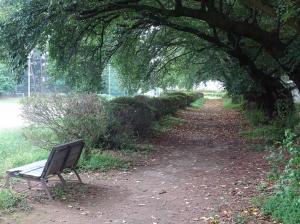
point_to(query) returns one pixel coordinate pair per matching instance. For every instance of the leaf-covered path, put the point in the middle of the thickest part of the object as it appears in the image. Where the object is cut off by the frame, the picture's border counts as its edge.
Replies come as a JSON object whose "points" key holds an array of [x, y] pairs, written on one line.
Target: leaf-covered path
{"points": [[201, 169]]}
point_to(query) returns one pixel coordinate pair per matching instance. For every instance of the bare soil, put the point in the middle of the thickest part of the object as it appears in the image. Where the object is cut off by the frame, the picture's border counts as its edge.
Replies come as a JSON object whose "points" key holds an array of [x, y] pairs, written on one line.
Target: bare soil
{"points": [[202, 171]]}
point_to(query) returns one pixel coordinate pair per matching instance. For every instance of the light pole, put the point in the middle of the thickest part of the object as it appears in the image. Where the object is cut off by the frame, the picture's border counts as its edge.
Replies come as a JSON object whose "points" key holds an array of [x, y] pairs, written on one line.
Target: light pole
{"points": [[109, 97], [42, 64], [29, 73]]}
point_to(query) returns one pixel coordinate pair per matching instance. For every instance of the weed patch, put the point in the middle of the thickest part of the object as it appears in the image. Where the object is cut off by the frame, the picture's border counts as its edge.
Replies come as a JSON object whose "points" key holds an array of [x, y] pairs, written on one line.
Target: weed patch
{"points": [[11, 201], [165, 124], [198, 103], [228, 104], [104, 162], [266, 134]]}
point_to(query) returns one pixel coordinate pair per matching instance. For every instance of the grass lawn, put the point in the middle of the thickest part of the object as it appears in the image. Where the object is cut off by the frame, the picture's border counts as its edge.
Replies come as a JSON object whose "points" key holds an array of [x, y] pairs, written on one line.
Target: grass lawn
{"points": [[214, 94], [198, 103], [15, 150], [9, 100], [228, 104]]}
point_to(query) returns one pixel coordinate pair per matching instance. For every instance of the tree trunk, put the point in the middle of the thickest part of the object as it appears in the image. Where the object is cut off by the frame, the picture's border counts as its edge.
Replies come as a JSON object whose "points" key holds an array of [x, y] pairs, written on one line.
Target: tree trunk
{"points": [[277, 99]]}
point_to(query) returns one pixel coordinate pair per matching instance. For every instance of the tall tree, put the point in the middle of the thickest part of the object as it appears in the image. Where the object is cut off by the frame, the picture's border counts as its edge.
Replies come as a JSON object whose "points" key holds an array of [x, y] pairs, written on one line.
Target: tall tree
{"points": [[264, 43]]}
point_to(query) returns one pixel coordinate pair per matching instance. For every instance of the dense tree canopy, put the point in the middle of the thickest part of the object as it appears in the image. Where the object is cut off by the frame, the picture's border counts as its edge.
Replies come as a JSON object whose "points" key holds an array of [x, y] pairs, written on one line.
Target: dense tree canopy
{"points": [[252, 43], [7, 84]]}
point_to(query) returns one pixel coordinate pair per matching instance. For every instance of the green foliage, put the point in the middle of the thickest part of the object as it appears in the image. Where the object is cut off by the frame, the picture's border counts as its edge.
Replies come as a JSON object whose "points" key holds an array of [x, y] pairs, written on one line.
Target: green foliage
{"points": [[283, 204], [7, 82], [11, 201], [286, 9]]}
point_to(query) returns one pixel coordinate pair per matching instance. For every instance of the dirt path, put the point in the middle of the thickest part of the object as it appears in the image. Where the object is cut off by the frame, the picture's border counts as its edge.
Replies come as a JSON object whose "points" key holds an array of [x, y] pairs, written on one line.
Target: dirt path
{"points": [[202, 169]]}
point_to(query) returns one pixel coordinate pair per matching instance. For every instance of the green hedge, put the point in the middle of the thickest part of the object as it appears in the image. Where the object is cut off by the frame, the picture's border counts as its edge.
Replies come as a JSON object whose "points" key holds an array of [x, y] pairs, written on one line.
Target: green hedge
{"points": [[137, 114], [102, 124]]}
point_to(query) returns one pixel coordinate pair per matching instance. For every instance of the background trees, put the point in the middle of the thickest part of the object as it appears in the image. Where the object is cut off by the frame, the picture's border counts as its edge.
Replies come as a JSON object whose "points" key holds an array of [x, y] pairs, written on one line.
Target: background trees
{"points": [[7, 84], [156, 43]]}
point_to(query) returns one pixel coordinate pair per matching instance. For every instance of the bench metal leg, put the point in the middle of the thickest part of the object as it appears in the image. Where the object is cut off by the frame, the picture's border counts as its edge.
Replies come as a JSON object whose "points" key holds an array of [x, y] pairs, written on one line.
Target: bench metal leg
{"points": [[45, 187], [63, 181], [29, 184], [7, 182], [77, 175]]}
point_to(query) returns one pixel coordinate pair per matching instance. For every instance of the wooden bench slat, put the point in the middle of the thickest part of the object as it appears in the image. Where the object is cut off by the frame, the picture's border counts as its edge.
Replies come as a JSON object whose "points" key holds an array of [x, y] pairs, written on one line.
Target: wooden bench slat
{"points": [[28, 167], [33, 173]]}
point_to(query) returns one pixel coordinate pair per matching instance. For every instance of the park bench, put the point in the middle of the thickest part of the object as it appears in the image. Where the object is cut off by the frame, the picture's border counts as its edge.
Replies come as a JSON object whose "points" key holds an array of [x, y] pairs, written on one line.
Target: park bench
{"points": [[62, 157]]}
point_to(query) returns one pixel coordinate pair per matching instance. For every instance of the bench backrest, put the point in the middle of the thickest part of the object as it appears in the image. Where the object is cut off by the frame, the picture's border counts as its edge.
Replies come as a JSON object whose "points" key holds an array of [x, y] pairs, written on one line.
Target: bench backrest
{"points": [[62, 157]]}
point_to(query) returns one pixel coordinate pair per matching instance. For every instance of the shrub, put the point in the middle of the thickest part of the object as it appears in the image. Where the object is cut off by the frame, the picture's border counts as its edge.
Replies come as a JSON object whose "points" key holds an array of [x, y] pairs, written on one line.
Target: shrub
{"points": [[283, 204], [69, 116], [171, 102], [61, 118], [185, 99], [198, 95], [133, 116], [284, 207], [165, 105]]}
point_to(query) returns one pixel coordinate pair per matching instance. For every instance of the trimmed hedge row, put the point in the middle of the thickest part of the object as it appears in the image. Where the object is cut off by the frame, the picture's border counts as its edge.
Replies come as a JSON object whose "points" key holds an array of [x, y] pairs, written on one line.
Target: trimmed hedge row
{"points": [[101, 123], [137, 114]]}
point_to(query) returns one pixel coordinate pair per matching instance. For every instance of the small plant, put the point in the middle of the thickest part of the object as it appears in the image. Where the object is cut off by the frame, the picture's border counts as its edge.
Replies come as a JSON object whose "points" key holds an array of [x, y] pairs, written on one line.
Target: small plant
{"points": [[11, 201], [59, 192], [241, 219]]}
